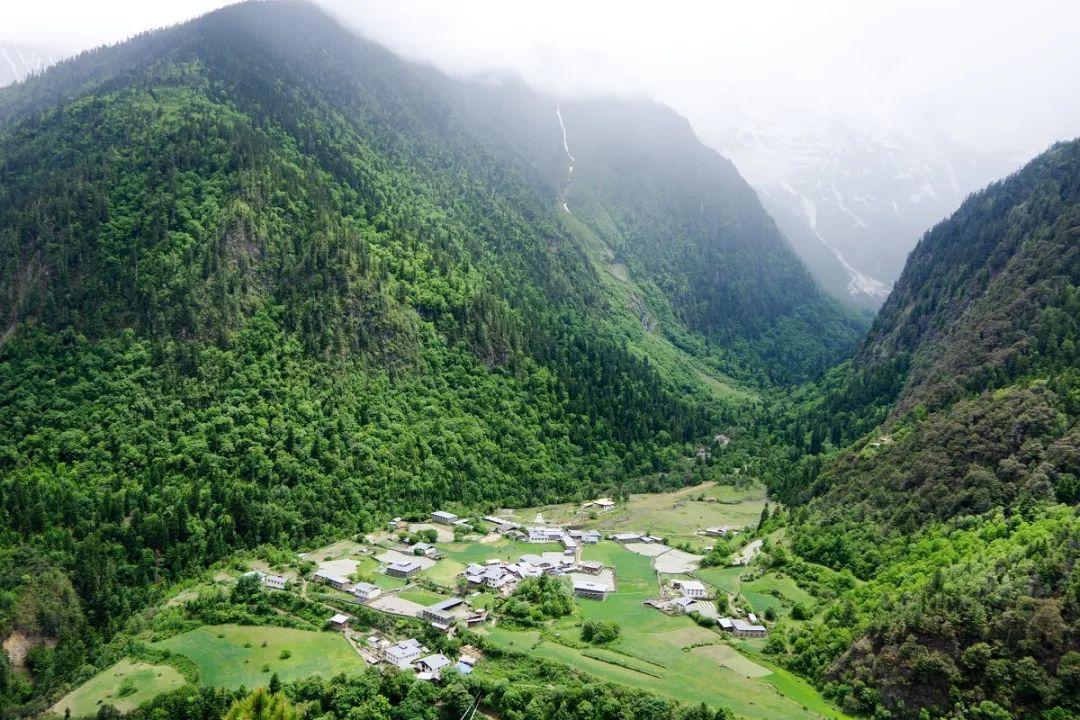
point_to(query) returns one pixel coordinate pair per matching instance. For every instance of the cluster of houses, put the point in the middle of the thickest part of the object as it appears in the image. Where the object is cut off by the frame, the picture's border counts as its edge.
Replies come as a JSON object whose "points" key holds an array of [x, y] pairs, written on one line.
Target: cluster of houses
{"points": [[365, 591], [441, 517], [505, 576], [749, 628], [570, 539], [692, 597], [443, 615], [409, 654]]}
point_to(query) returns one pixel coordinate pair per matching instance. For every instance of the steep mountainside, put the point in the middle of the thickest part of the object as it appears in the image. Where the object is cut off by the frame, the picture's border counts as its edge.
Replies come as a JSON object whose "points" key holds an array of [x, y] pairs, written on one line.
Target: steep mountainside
{"points": [[675, 225], [679, 218], [960, 509]]}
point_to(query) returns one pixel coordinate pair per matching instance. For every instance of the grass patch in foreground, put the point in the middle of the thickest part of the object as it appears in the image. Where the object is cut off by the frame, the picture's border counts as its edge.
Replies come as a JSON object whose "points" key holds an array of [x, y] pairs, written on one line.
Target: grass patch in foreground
{"points": [[125, 685], [249, 655]]}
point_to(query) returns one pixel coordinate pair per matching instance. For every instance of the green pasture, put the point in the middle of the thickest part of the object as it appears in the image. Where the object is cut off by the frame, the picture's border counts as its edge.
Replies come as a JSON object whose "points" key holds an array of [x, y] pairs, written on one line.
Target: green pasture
{"points": [[233, 655], [125, 685]]}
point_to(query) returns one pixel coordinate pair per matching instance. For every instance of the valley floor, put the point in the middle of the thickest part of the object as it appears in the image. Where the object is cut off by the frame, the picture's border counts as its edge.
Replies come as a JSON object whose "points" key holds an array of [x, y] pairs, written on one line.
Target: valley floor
{"points": [[660, 649]]}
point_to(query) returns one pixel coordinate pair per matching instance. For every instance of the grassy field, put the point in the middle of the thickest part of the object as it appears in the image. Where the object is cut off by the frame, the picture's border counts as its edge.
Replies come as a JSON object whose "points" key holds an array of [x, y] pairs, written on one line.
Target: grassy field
{"points": [[421, 596], [626, 296], [145, 680], [635, 581], [444, 572], [388, 582], [502, 549], [367, 566], [676, 515], [664, 663], [234, 655], [762, 593], [458, 555]]}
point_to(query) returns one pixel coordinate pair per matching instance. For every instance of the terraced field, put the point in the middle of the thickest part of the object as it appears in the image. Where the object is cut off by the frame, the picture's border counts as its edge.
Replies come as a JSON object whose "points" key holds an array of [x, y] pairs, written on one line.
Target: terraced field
{"points": [[669, 655]]}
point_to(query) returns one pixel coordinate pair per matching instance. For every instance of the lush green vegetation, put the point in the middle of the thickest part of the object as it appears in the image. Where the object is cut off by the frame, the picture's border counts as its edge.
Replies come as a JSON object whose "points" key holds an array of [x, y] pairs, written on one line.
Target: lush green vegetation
{"points": [[519, 690], [958, 509], [600, 632], [540, 598], [244, 311], [264, 284], [641, 175]]}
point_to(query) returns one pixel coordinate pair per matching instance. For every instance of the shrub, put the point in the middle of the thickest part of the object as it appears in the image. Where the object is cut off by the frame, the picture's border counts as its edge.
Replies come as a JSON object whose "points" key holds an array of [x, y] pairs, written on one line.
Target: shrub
{"points": [[600, 632], [127, 687]]}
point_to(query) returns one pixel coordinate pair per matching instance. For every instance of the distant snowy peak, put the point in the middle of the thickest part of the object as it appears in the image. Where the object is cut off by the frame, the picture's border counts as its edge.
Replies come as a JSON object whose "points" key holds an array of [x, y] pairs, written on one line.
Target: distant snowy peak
{"points": [[854, 196], [18, 61]]}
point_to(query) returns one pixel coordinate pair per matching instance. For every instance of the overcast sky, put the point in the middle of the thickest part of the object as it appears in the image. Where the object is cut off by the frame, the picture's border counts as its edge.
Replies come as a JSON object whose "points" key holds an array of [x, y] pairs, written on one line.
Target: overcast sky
{"points": [[994, 74]]}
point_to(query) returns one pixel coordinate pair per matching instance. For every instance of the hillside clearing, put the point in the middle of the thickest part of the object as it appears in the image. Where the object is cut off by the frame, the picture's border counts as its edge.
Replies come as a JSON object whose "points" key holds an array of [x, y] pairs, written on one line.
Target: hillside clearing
{"points": [[233, 655], [125, 686]]}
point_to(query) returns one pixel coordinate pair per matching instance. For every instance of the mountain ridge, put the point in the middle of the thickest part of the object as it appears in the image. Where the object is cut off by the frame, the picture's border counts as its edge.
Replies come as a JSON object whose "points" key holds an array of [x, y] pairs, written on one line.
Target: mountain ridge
{"points": [[950, 488]]}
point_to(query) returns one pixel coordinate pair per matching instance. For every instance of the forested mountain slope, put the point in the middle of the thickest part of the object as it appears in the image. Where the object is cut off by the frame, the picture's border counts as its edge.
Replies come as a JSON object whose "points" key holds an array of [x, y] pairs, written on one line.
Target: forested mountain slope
{"points": [[261, 281], [672, 220], [959, 510], [681, 219]]}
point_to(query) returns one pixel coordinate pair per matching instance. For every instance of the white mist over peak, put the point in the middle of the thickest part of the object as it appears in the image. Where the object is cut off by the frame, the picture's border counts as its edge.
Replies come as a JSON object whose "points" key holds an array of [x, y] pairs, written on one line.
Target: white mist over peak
{"points": [[855, 193]]}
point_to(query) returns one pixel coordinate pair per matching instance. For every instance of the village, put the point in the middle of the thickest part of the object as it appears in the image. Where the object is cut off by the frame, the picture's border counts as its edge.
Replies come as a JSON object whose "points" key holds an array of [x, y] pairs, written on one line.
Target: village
{"points": [[452, 593], [404, 570]]}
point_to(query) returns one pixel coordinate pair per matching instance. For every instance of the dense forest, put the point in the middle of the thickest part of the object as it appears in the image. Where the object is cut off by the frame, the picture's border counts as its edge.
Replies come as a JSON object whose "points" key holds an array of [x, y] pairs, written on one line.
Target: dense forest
{"points": [[941, 467]]}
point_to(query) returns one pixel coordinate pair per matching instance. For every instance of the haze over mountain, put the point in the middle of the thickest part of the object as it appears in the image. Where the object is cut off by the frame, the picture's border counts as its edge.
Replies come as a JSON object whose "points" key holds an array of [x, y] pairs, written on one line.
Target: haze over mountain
{"points": [[853, 196], [878, 138], [906, 121], [258, 235]]}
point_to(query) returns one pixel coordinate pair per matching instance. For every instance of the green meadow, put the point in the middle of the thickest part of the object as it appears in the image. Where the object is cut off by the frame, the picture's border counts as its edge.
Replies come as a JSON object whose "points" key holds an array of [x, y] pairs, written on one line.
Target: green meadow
{"points": [[676, 515], [234, 655], [421, 596], [771, 590], [125, 686]]}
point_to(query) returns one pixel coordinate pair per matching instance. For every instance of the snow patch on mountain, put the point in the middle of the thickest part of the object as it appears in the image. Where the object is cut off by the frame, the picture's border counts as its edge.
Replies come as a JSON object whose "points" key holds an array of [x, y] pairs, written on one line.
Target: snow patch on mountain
{"points": [[859, 282], [17, 62], [566, 148], [860, 192]]}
